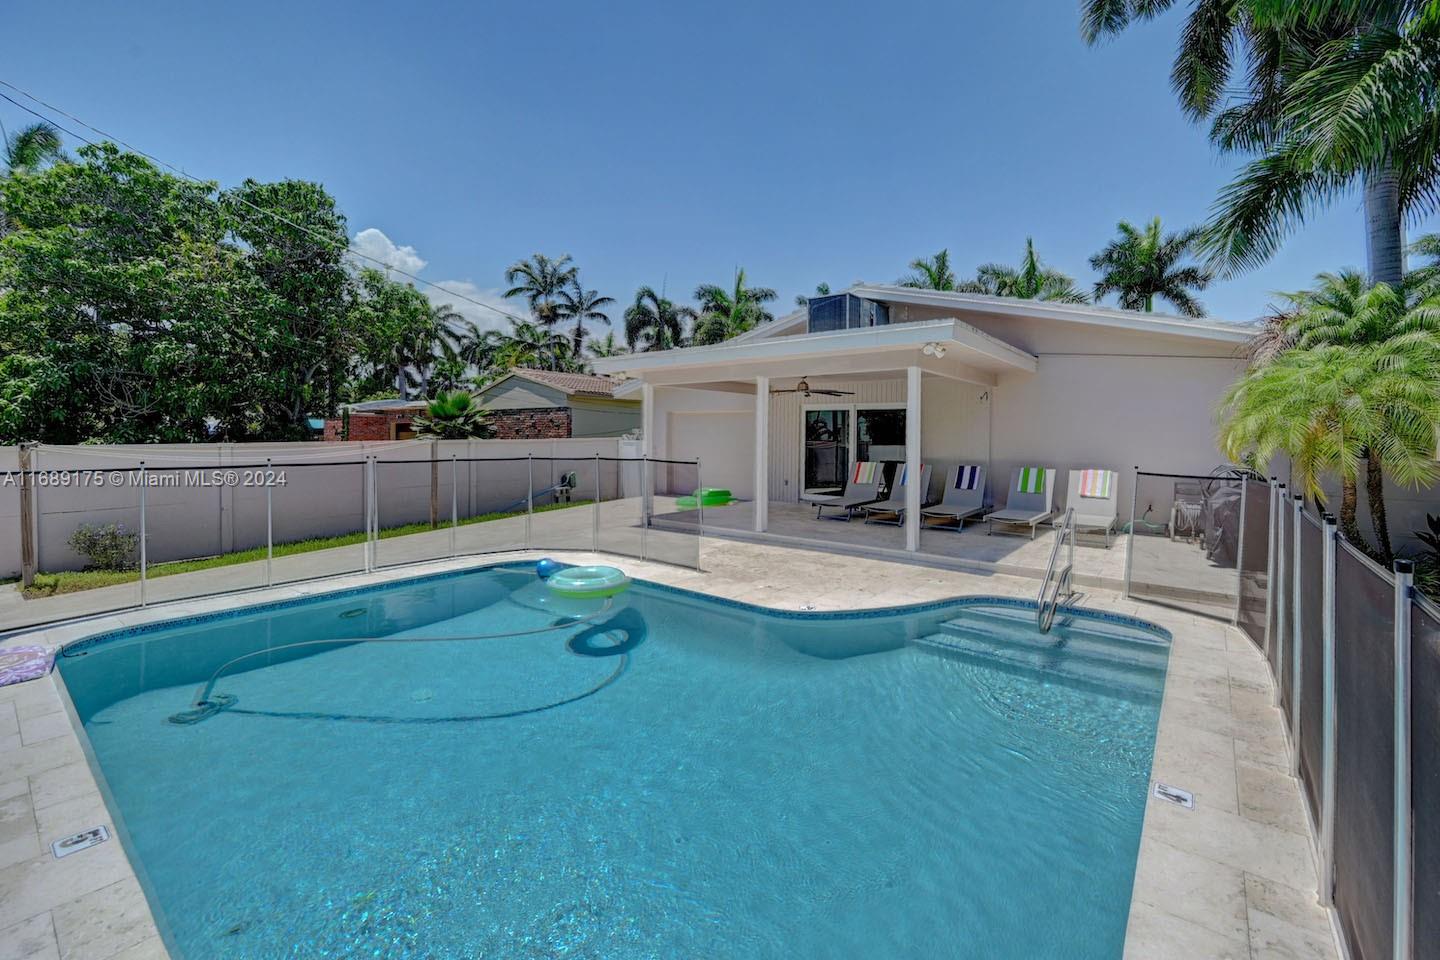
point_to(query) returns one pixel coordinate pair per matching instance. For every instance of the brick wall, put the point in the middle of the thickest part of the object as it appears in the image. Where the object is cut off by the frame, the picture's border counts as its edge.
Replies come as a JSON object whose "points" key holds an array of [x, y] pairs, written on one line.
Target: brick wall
{"points": [[370, 426], [551, 424]]}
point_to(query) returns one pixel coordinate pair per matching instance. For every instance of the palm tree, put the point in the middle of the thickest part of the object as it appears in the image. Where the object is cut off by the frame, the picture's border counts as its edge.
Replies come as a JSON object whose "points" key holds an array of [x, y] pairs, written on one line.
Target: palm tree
{"points": [[1335, 92], [655, 322], [540, 280], [25, 151], [608, 347], [1343, 311], [453, 415], [1032, 280], [1142, 264], [576, 303], [931, 273], [1332, 407], [531, 345], [821, 290], [729, 313]]}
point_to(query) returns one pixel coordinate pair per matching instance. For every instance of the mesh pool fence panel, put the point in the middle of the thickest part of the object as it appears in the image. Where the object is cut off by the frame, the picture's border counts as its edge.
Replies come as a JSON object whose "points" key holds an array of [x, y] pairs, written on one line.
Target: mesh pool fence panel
{"points": [[1309, 738], [1253, 530], [206, 529], [1184, 545], [1425, 773], [1364, 754], [1270, 642], [1283, 642]]}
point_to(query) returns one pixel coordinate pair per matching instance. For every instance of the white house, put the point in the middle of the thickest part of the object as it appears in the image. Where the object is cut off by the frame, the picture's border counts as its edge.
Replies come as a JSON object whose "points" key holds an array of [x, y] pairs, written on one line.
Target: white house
{"points": [[910, 376]]}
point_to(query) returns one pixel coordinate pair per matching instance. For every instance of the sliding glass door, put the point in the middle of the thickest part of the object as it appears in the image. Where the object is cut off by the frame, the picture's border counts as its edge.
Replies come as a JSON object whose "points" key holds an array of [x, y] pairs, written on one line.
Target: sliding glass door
{"points": [[827, 450], [836, 436]]}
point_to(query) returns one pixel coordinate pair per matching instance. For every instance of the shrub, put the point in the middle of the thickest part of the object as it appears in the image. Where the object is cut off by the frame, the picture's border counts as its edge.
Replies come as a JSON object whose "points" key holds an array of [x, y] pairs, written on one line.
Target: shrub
{"points": [[107, 546]]}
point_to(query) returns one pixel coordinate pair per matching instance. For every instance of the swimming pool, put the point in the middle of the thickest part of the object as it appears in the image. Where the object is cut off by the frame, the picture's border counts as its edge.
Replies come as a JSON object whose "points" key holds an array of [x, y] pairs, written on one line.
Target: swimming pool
{"points": [[671, 776]]}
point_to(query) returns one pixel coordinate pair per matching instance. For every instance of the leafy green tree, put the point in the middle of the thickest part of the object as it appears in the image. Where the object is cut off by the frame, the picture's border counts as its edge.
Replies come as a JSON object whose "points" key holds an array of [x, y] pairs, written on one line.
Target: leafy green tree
{"points": [[931, 273], [821, 290], [653, 322], [575, 303], [402, 330], [453, 415], [1032, 280], [126, 315], [1144, 263], [540, 281], [728, 313], [1335, 92]]}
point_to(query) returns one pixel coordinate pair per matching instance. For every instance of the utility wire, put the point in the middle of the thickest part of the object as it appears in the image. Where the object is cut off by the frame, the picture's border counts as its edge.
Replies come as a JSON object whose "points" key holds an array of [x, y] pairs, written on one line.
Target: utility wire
{"points": [[270, 213]]}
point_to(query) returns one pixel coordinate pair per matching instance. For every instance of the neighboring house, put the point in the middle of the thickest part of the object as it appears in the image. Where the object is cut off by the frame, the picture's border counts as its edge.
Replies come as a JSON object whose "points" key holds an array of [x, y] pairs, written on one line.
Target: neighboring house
{"points": [[375, 420], [941, 378], [544, 404]]}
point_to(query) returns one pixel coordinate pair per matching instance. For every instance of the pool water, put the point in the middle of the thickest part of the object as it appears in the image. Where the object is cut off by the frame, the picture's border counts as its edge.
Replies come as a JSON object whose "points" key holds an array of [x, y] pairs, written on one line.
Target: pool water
{"points": [[700, 779]]}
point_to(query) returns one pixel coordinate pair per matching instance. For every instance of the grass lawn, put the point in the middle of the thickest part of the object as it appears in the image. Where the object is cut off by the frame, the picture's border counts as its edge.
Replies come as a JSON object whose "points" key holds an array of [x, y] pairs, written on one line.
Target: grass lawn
{"points": [[51, 584]]}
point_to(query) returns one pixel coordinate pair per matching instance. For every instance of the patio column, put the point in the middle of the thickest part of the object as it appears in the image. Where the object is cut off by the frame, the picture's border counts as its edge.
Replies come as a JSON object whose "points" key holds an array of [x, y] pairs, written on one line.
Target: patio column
{"points": [[647, 453], [912, 458], [762, 454]]}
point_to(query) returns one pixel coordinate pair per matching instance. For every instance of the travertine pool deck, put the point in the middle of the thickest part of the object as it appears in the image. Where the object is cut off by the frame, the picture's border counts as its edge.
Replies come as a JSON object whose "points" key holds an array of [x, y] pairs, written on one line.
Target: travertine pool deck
{"points": [[1233, 878]]}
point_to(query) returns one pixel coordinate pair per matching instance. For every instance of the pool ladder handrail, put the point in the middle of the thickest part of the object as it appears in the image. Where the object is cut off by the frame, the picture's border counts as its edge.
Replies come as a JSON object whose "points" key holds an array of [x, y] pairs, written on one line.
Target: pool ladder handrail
{"points": [[1048, 600]]}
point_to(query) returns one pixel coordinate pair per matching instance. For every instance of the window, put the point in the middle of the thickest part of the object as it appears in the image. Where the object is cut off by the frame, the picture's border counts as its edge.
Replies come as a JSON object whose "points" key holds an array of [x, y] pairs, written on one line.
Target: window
{"points": [[844, 311]]}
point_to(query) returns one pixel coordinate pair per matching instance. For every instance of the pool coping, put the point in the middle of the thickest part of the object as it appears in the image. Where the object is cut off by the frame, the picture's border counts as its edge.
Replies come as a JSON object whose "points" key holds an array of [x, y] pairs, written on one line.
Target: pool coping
{"points": [[1187, 882]]}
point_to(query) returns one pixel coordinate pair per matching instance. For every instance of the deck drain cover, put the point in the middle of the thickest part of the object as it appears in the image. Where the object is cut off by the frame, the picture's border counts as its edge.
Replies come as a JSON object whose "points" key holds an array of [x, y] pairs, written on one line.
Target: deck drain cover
{"points": [[1182, 798], [79, 841]]}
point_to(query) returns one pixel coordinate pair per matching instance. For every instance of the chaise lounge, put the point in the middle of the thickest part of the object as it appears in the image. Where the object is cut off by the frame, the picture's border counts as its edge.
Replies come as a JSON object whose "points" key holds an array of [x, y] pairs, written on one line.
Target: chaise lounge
{"points": [[892, 509], [862, 487], [1094, 495], [1030, 502], [964, 497]]}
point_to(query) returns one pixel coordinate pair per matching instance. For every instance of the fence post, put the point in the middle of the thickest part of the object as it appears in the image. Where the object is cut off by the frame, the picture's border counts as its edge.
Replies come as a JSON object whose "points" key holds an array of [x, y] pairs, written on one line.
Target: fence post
{"points": [[1277, 587], [645, 508], [28, 561], [370, 514], [1270, 574], [1327, 788], [1297, 514], [454, 500], [699, 512], [144, 556], [269, 525], [529, 497], [1130, 543], [1404, 847], [595, 513], [1240, 558]]}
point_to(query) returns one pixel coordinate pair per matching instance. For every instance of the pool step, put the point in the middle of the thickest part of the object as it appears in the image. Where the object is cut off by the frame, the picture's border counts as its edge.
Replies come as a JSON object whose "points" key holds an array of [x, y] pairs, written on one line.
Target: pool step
{"points": [[1046, 665], [1076, 637]]}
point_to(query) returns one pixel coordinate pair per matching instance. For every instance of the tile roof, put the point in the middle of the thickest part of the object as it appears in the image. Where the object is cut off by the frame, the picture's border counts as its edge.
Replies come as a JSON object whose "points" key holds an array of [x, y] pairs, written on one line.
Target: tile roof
{"points": [[569, 383]]}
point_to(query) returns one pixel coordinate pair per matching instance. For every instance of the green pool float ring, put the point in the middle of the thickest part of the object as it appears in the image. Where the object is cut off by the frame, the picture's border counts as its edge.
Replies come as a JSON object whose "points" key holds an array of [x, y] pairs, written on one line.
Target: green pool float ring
{"points": [[585, 582], [705, 497]]}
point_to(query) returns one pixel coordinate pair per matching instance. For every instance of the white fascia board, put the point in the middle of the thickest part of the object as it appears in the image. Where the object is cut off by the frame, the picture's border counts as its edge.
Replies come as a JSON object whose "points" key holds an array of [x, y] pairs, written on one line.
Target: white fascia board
{"points": [[1073, 313]]}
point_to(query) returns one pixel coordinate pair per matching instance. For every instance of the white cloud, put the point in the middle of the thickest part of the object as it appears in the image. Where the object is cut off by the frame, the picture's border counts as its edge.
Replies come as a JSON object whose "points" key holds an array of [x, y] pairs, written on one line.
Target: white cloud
{"points": [[371, 242]]}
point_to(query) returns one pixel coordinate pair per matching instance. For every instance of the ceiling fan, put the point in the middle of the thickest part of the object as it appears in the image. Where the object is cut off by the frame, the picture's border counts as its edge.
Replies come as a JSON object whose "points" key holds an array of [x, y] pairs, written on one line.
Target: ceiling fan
{"points": [[803, 387]]}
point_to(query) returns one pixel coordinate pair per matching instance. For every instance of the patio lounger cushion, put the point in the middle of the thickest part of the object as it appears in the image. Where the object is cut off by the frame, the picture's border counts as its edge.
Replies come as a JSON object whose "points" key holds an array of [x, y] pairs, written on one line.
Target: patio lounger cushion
{"points": [[1031, 500], [895, 503], [1094, 495], [1018, 516], [862, 487]]}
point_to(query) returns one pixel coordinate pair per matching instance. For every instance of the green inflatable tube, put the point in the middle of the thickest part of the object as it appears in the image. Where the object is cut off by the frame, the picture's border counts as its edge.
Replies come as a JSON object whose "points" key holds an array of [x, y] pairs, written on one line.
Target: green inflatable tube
{"points": [[584, 582], [705, 497]]}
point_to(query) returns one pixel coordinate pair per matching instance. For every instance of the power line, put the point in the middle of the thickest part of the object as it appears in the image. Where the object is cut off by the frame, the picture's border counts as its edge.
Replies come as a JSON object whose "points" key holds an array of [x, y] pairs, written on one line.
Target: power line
{"points": [[270, 213]]}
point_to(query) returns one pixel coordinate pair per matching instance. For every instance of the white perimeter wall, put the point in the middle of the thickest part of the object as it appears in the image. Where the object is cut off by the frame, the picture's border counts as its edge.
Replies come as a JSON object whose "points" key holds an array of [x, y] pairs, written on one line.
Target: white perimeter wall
{"points": [[197, 521]]}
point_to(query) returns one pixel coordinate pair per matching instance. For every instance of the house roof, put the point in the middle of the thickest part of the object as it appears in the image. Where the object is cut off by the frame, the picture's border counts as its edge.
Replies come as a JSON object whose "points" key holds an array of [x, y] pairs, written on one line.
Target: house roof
{"points": [[1084, 313], [972, 354], [570, 384]]}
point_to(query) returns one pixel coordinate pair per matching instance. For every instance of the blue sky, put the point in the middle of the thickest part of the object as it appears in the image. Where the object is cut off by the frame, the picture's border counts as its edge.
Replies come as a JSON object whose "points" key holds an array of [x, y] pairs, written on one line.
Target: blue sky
{"points": [[663, 142]]}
